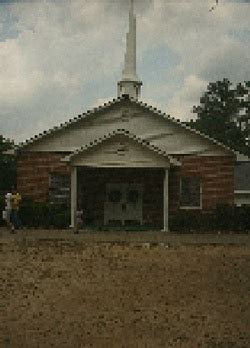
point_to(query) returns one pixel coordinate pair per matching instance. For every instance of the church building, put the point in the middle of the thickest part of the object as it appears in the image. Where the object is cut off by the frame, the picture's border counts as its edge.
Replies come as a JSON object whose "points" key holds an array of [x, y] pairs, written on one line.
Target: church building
{"points": [[126, 163]]}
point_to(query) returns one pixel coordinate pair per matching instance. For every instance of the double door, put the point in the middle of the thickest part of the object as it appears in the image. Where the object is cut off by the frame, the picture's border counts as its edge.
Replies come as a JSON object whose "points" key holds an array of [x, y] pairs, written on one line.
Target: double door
{"points": [[123, 204]]}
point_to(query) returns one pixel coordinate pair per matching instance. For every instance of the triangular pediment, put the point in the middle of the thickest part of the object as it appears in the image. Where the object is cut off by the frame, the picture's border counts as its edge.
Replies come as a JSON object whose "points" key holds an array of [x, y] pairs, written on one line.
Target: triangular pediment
{"points": [[120, 149]]}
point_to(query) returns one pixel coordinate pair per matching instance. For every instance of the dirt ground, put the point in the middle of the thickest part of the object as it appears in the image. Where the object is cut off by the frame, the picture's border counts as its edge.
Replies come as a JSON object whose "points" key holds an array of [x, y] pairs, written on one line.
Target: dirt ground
{"points": [[90, 294]]}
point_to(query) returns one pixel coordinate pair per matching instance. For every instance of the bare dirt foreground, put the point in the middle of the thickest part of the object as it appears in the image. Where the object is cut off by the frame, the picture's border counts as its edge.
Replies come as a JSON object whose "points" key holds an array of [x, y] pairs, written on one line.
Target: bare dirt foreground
{"points": [[89, 294]]}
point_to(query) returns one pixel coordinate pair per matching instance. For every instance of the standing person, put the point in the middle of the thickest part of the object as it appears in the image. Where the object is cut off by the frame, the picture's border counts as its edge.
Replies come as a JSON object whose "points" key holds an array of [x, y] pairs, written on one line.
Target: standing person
{"points": [[16, 200], [79, 220], [8, 208]]}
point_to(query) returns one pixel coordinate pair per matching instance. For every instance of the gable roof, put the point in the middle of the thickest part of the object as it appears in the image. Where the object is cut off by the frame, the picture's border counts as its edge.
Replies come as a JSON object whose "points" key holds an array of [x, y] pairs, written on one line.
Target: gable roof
{"points": [[107, 105], [127, 134]]}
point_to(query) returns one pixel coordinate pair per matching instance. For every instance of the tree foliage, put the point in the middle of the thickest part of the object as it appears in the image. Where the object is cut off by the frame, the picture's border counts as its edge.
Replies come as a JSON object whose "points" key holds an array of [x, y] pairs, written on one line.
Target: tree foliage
{"points": [[7, 165], [224, 114]]}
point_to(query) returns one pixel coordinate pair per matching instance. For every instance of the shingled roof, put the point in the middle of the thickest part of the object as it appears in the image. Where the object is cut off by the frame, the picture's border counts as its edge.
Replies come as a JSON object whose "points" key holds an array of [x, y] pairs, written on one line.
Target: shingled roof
{"points": [[94, 111]]}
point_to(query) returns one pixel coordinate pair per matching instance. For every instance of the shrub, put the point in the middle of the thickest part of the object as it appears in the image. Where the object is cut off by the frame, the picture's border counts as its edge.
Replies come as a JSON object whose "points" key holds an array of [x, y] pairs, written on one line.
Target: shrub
{"points": [[223, 218], [242, 218], [45, 215], [188, 221]]}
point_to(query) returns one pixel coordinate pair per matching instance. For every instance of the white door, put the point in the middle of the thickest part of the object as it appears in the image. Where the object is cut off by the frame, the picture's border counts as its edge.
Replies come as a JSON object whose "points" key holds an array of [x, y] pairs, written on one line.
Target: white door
{"points": [[123, 205]]}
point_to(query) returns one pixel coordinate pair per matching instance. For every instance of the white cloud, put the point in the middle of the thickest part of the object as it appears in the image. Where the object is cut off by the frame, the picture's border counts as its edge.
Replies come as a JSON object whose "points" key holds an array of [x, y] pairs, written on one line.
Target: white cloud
{"points": [[64, 57], [204, 42], [183, 100], [100, 101], [48, 69], [56, 48], [18, 79]]}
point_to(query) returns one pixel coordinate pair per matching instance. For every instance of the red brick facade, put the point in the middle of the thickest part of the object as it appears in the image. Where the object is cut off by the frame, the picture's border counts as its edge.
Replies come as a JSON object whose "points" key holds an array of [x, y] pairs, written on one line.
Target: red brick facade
{"points": [[33, 169], [216, 173], [217, 177]]}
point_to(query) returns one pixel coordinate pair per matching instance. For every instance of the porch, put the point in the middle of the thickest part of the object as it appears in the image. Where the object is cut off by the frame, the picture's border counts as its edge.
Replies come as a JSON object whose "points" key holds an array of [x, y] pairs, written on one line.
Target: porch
{"points": [[120, 197]]}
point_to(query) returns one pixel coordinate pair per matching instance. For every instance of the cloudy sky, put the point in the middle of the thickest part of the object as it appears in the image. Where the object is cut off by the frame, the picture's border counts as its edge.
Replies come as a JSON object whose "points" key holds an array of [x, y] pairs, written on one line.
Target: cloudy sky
{"points": [[59, 58]]}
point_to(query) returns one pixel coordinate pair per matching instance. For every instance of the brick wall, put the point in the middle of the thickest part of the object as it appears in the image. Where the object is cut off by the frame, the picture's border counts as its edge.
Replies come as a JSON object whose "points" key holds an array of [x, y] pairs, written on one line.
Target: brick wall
{"points": [[33, 169], [216, 173]]}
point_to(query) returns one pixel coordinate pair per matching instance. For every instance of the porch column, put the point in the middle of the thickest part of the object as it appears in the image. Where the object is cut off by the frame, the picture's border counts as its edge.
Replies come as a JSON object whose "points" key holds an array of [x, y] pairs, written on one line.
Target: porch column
{"points": [[73, 195], [165, 202]]}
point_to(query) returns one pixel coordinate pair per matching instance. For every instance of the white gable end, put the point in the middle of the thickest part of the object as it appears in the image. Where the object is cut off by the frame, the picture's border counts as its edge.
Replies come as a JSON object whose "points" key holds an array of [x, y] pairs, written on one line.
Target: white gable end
{"points": [[162, 132], [120, 151]]}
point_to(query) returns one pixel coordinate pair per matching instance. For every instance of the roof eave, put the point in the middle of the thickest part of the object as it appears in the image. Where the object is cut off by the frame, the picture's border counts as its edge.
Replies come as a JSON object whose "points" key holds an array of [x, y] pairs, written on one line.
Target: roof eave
{"points": [[113, 102]]}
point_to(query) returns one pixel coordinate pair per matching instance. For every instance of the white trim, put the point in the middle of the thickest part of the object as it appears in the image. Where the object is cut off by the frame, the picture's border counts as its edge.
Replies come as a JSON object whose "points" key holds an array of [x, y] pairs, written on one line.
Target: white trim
{"points": [[241, 191], [241, 158], [165, 202], [73, 196]]}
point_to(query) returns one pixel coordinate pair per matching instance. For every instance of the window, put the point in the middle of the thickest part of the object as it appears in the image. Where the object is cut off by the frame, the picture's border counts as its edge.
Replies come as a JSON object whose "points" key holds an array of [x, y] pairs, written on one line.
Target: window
{"points": [[190, 192], [59, 189]]}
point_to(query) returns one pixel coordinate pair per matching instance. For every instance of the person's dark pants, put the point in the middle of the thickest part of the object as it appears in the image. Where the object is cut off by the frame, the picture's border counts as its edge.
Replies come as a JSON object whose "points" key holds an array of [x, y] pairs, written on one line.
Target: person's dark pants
{"points": [[14, 218]]}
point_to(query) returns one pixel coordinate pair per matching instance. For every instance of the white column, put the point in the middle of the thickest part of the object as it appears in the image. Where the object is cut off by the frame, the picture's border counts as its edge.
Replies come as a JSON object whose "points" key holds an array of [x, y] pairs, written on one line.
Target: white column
{"points": [[73, 196], [165, 202]]}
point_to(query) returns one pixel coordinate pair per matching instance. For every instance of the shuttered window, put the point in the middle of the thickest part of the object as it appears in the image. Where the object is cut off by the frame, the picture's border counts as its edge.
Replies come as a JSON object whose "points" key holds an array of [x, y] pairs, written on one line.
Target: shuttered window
{"points": [[59, 189]]}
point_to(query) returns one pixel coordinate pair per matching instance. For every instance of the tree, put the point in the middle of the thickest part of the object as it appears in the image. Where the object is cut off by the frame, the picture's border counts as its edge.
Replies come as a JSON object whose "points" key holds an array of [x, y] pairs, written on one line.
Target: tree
{"points": [[224, 114], [7, 165]]}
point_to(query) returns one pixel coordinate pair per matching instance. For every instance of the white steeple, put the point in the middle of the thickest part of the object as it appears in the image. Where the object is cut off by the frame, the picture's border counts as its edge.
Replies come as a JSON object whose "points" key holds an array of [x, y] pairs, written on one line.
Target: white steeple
{"points": [[130, 84]]}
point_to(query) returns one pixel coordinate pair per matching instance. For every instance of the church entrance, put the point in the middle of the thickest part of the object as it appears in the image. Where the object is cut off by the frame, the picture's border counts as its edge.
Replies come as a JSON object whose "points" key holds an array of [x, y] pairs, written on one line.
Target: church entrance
{"points": [[123, 197], [123, 204]]}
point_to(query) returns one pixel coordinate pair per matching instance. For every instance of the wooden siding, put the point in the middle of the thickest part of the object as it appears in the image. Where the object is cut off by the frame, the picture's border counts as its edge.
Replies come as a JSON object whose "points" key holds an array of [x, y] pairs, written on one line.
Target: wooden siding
{"points": [[163, 133], [119, 151]]}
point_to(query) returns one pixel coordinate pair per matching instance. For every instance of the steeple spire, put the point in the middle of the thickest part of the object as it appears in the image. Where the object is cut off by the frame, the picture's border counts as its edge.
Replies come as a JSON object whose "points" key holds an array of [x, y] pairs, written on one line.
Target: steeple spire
{"points": [[130, 84]]}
